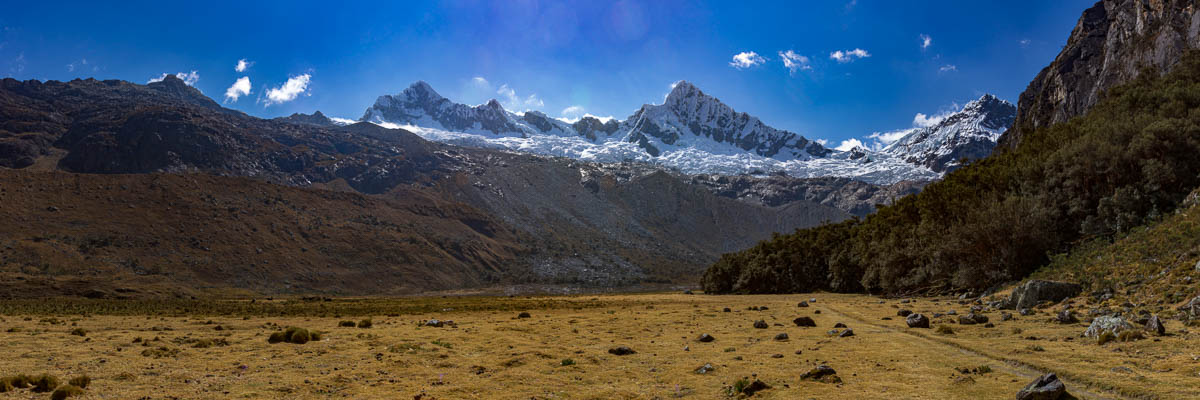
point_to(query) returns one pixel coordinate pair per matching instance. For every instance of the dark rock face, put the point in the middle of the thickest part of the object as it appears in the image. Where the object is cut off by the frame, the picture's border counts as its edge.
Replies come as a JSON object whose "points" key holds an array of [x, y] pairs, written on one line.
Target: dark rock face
{"points": [[316, 118], [1033, 292], [1045, 387], [1110, 45], [917, 321], [420, 101]]}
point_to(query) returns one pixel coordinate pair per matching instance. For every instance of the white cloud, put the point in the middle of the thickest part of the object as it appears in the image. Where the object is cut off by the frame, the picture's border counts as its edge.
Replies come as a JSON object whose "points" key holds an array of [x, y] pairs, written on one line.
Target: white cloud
{"points": [[848, 55], [882, 139], [572, 112], [1024, 43], [948, 68], [239, 88], [926, 41], [793, 61], [188, 78], [513, 102], [746, 59], [479, 81], [822, 141], [922, 121], [243, 65], [849, 144], [289, 91], [343, 121]]}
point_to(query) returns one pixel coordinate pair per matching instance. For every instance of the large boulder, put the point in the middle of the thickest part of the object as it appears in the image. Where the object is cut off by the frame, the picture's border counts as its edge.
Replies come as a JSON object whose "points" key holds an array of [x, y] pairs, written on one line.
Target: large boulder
{"points": [[1155, 326], [1106, 324], [1045, 387], [917, 321], [1192, 308], [1033, 292]]}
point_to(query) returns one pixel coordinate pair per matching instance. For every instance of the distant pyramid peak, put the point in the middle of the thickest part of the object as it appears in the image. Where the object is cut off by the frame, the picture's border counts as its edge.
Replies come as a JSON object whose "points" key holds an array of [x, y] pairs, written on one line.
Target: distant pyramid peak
{"points": [[422, 90], [494, 104]]}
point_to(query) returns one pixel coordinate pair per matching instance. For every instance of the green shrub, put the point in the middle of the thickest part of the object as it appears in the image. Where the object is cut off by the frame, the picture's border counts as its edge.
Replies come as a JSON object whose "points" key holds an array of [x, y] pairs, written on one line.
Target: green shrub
{"points": [[66, 391], [44, 383], [568, 362], [294, 335], [81, 381]]}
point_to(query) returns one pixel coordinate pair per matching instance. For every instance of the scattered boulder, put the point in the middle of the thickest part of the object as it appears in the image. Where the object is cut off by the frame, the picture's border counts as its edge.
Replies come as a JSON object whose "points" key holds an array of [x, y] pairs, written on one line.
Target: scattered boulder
{"points": [[435, 323], [1036, 291], [1155, 326], [804, 322], [839, 325], [621, 351], [802, 304], [966, 320], [847, 333], [755, 387], [822, 373], [726, 310], [689, 291], [782, 337], [917, 321], [1066, 317], [760, 324], [523, 315], [706, 368], [1025, 311], [1005, 316], [1045, 387], [903, 313], [705, 338], [1106, 324], [816, 311], [1192, 308]]}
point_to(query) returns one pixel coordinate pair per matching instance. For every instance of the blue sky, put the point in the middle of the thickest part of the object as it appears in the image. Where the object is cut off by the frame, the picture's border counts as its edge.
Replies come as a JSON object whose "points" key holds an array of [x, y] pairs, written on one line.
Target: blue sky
{"points": [[605, 58]]}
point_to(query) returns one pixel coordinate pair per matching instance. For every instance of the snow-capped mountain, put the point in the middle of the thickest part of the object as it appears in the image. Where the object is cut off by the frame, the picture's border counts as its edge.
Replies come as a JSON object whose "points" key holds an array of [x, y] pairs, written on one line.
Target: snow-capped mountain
{"points": [[691, 131], [967, 134], [688, 117]]}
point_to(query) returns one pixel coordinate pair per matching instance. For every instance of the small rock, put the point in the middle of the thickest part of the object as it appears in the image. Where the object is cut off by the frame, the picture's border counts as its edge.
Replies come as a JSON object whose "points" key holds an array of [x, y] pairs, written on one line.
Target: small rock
{"points": [[952, 312], [782, 337], [434, 323], [989, 325], [777, 356], [917, 321], [966, 320], [705, 338], [689, 291], [755, 387], [1066, 317], [905, 301], [1155, 326], [903, 313], [804, 322], [523, 315], [760, 324], [816, 311], [706, 368], [1122, 370], [1025, 311], [621, 351], [802, 304], [839, 325], [1004, 316], [847, 333], [1046, 387], [726, 310], [823, 373]]}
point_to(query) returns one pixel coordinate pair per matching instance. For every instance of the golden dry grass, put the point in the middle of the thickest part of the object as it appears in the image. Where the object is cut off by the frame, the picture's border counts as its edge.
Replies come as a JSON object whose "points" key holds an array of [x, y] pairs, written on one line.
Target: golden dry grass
{"points": [[492, 354]]}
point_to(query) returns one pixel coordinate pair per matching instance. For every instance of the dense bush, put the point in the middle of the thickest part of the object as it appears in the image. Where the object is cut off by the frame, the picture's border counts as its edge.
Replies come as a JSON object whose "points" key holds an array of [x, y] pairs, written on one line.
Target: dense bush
{"points": [[294, 335], [1131, 159]]}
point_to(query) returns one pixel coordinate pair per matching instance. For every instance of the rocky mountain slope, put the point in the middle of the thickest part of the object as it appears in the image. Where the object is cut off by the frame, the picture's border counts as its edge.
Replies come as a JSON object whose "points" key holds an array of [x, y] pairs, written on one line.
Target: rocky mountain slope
{"points": [[970, 134], [692, 132], [1111, 44], [552, 220]]}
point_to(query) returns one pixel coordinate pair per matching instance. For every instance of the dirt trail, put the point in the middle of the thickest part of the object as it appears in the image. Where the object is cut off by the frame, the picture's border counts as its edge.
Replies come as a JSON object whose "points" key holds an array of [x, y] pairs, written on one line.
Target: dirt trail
{"points": [[1020, 368]]}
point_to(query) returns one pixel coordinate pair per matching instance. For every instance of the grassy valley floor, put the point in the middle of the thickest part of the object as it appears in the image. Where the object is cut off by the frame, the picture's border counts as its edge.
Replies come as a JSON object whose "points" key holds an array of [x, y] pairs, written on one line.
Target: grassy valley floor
{"points": [[220, 349]]}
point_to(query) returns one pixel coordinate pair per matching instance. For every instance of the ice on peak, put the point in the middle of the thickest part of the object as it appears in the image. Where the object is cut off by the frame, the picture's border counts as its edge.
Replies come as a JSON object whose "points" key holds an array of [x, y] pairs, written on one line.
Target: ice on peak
{"points": [[420, 90]]}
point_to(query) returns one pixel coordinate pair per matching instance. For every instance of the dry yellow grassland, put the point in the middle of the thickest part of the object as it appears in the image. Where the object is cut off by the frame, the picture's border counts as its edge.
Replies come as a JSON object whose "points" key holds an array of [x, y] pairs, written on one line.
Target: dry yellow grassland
{"points": [[495, 355]]}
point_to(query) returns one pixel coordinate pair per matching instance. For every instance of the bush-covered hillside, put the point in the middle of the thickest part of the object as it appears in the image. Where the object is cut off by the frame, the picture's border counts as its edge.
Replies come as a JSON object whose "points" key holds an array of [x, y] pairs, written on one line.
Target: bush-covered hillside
{"points": [[1132, 158]]}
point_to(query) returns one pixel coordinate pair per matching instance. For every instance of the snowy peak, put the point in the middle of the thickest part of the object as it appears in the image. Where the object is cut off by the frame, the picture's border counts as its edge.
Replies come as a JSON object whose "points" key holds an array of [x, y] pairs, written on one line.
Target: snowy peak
{"points": [[970, 134], [688, 117], [420, 105]]}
